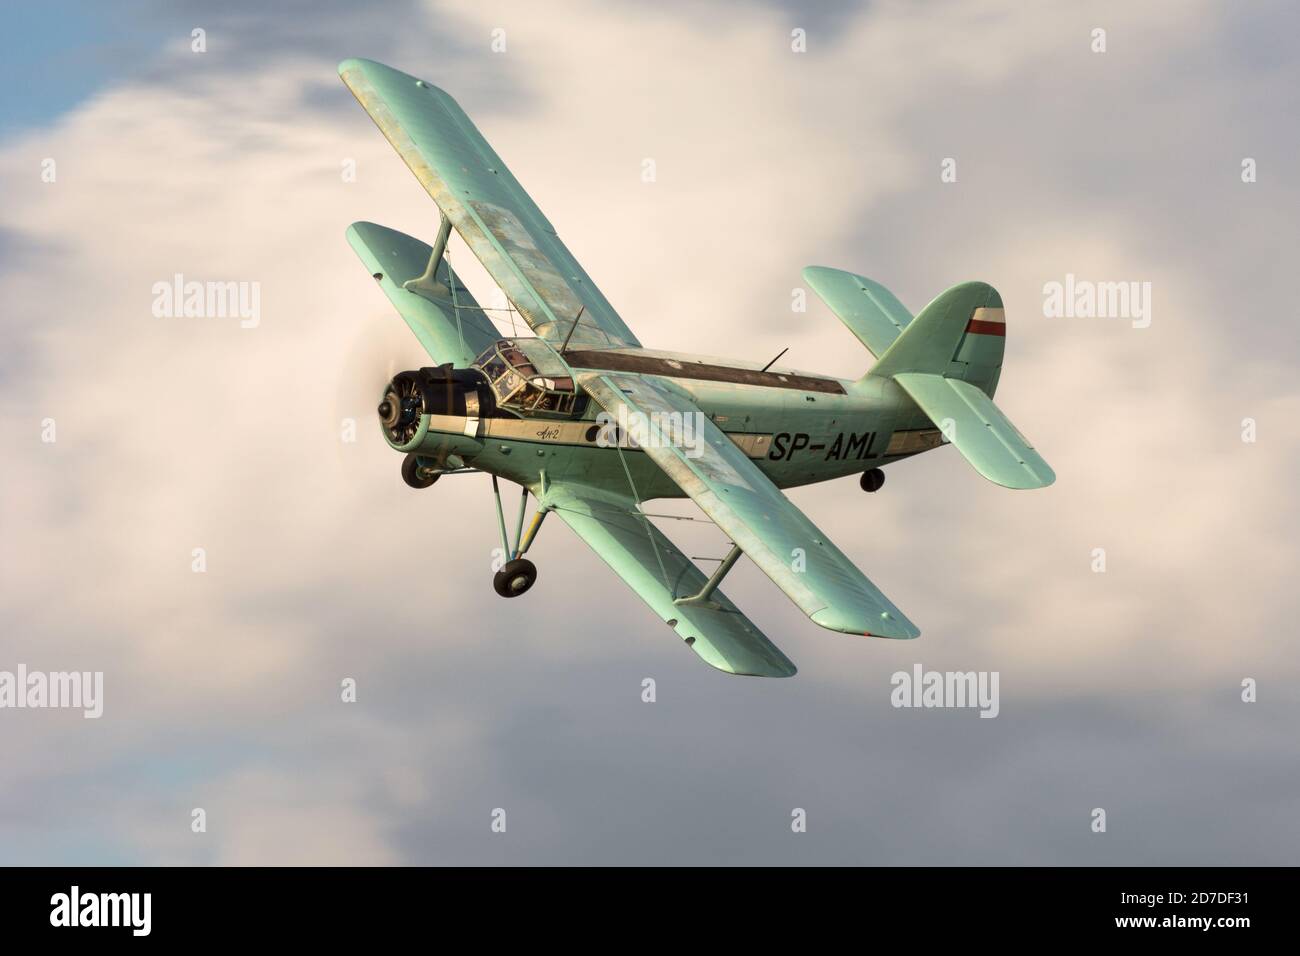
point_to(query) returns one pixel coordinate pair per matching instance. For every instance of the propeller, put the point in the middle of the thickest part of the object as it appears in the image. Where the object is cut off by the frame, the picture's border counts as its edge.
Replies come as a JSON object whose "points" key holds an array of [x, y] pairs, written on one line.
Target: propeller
{"points": [[381, 347]]}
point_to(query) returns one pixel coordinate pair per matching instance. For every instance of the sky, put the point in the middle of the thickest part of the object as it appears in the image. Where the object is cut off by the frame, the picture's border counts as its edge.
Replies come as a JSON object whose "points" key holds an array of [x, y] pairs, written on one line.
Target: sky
{"points": [[1120, 689]]}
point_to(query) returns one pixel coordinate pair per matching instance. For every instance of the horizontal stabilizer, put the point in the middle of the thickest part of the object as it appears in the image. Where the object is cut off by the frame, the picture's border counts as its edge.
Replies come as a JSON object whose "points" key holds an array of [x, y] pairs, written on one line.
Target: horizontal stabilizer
{"points": [[969, 419]]}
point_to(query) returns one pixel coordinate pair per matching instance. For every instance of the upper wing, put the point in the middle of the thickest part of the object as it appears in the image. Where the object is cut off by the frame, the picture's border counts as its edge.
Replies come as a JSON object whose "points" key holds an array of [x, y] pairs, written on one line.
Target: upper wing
{"points": [[487, 206], [871, 311], [657, 571], [979, 430], [450, 331], [740, 499]]}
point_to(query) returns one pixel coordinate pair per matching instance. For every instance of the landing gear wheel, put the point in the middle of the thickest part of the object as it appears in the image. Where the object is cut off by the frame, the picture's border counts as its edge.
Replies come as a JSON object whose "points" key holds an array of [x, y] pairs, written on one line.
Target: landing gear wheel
{"points": [[873, 479], [412, 476], [515, 578]]}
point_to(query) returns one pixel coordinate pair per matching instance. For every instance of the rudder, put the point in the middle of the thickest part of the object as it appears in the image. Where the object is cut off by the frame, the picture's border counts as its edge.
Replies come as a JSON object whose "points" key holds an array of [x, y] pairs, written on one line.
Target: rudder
{"points": [[961, 334]]}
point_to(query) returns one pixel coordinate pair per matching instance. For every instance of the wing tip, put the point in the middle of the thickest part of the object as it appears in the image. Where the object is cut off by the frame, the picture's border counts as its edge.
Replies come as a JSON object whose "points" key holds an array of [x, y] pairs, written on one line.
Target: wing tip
{"points": [[375, 72], [776, 672], [772, 664], [1042, 477], [890, 624], [354, 63]]}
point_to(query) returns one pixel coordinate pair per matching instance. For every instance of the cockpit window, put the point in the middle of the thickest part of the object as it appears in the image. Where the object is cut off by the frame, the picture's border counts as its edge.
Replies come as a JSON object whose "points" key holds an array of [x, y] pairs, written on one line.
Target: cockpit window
{"points": [[519, 387], [528, 397], [507, 384]]}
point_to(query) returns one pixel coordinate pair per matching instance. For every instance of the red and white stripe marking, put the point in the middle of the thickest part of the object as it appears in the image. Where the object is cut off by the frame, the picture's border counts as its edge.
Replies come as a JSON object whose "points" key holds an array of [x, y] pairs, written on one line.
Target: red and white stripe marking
{"points": [[988, 322]]}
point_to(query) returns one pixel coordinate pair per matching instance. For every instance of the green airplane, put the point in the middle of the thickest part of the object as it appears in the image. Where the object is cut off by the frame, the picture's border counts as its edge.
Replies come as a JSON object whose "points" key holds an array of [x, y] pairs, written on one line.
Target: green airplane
{"points": [[592, 425]]}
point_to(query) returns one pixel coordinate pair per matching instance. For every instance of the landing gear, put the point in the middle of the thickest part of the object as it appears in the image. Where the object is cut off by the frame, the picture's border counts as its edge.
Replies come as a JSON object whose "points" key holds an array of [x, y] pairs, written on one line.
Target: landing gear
{"points": [[518, 574], [415, 475], [873, 479], [515, 578]]}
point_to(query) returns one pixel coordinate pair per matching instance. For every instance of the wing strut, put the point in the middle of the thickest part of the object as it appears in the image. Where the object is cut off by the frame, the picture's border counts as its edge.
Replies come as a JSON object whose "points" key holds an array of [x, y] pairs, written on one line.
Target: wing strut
{"points": [[705, 597], [427, 284]]}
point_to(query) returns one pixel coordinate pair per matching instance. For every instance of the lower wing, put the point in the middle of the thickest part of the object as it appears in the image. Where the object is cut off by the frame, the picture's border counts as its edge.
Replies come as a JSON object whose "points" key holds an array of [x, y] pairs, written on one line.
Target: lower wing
{"points": [[660, 573]]}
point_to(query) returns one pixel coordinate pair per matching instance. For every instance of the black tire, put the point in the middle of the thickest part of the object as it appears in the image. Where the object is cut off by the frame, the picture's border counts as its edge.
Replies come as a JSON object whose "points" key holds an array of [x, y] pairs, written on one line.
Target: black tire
{"points": [[515, 578], [872, 480], [411, 474]]}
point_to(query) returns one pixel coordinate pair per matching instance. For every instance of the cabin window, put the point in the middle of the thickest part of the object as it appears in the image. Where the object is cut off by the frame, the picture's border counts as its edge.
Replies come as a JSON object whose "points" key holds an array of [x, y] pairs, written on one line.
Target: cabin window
{"points": [[519, 387]]}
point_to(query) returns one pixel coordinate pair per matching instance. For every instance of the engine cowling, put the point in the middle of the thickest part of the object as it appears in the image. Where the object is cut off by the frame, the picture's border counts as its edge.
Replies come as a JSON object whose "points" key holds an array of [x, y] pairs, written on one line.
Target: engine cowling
{"points": [[441, 390]]}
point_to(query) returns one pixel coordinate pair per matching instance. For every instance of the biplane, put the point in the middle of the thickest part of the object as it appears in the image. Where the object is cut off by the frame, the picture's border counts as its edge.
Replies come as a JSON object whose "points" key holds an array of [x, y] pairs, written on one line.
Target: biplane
{"points": [[592, 425]]}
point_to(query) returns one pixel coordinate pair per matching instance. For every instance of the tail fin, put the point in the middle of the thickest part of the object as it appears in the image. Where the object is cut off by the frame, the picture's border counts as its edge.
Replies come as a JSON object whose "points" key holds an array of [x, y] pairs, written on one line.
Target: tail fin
{"points": [[961, 334], [948, 360]]}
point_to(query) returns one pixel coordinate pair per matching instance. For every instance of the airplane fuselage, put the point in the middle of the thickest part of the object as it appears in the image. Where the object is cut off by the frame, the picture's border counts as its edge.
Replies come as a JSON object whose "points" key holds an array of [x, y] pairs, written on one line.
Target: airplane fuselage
{"points": [[797, 427]]}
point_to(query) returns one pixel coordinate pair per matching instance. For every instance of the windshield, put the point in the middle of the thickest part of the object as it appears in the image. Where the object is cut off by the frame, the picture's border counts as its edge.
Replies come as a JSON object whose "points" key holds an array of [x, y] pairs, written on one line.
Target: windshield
{"points": [[520, 388]]}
